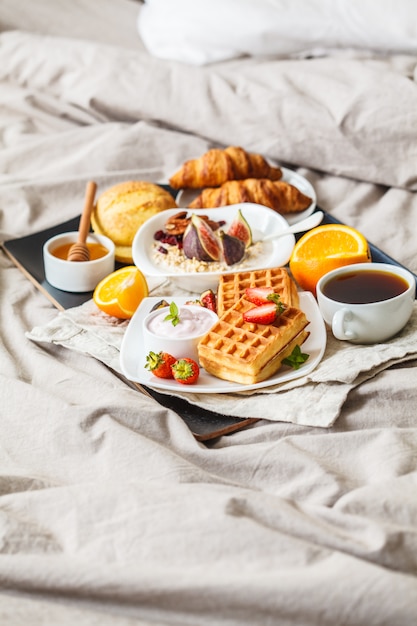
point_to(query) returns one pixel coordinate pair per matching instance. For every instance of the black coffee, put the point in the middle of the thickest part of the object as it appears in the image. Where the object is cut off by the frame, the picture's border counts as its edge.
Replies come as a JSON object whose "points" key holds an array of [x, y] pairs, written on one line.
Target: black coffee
{"points": [[364, 286]]}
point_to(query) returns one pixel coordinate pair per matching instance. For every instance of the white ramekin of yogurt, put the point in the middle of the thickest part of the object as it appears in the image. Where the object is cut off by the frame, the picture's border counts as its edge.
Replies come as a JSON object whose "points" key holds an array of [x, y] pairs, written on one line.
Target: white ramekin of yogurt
{"points": [[180, 340]]}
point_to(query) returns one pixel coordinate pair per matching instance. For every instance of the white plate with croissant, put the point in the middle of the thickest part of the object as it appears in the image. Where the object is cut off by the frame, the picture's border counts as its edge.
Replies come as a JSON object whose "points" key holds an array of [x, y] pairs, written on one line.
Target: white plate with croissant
{"points": [[155, 258], [186, 197]]}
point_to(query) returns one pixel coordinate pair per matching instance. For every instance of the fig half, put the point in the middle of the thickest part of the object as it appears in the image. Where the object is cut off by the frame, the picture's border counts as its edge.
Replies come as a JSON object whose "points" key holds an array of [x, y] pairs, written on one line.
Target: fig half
{"points": [[240, 228], [233, 248], [200, 242]]}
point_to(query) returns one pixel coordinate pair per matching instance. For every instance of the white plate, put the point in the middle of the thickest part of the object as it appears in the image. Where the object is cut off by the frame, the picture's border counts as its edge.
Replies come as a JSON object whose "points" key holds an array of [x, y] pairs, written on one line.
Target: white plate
{"points": [[186, 196], [133, 357], [262, 221]]}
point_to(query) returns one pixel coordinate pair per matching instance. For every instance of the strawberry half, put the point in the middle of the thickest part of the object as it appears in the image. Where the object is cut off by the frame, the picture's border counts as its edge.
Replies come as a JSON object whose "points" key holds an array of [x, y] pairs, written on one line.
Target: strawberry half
{"points": [[263, 295], [185, 371], [160, 364], [263, 314], [258, 295]]}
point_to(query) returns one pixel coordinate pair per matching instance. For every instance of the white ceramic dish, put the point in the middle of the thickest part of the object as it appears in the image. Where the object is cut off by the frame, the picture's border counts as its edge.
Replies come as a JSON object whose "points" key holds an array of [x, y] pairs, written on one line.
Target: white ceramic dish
{"points": [[74, 276], [133, 356], [186, 196], [175, 339], [263, 221]]}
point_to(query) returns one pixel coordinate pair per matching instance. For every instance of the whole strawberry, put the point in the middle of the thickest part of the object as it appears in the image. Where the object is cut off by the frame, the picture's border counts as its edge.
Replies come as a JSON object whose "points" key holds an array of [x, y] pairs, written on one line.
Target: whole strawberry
{"points": [[160, 364], [185, 371]]}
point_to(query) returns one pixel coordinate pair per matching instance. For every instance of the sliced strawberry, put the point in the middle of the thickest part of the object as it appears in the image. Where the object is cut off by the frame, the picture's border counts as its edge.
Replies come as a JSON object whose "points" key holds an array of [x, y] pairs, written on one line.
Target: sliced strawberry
{"points": [[263, 314], [262, 295], [185, 371], [258, 295], [160, 364], [208, 300]]}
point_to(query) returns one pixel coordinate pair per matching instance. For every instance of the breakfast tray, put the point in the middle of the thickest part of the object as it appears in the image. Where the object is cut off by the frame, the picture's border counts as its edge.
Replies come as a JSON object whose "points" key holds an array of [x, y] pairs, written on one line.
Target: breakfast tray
{"points": [[26, 254]]}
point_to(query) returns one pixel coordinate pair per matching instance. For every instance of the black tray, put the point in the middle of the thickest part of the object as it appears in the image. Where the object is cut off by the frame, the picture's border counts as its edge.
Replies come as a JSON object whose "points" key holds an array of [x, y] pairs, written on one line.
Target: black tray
{"points": [[26, 253]]}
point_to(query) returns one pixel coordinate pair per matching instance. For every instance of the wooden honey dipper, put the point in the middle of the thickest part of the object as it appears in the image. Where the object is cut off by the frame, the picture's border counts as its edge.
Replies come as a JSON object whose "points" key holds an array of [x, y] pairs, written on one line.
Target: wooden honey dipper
{"points": [[79, 251]]}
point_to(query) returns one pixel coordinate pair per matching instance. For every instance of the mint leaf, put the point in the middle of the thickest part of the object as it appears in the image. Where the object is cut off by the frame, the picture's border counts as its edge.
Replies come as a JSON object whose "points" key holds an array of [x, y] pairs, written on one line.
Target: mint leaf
{"points": [[296, 358], [173, 315]]}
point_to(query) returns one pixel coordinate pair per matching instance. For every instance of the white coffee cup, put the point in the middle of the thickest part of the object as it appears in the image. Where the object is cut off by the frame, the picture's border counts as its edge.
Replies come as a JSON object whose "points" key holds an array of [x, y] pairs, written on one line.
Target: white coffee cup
{"points": [[366, 302]]}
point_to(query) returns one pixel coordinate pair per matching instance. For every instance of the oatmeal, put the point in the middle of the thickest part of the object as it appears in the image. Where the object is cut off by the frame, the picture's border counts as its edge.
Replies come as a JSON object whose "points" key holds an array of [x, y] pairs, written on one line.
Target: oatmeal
{"points": [[174, 259]]}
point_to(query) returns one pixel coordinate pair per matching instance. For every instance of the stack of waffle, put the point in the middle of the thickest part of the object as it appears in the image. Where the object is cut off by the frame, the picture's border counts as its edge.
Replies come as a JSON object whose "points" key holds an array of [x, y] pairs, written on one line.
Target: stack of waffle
{"points": [[249, 353]]}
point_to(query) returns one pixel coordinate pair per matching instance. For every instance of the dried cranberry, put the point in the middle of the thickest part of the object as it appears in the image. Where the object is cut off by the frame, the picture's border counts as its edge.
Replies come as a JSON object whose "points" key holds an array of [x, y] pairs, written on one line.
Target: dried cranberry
{"points": [[159, 235], [162, 250]]}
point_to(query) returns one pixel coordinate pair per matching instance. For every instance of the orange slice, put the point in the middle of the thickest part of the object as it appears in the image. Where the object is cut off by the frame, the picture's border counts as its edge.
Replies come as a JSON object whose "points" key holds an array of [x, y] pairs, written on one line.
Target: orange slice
{"points": [[120, 293], [323, 249]]}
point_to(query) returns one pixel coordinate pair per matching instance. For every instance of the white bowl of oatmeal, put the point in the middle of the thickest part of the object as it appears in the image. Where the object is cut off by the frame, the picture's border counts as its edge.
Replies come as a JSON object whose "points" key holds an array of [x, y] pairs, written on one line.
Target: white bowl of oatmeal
{"points": [[157, 257]]}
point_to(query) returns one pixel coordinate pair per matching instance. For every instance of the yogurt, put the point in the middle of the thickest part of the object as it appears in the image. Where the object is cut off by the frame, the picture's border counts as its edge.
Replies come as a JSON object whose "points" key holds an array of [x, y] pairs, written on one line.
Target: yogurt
{"points": [[182, 339], [193, 320]]}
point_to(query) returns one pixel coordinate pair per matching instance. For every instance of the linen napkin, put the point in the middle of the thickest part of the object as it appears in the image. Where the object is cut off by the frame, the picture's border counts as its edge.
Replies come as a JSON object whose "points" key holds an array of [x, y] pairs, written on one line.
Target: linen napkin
{"points": [[312, 400]]}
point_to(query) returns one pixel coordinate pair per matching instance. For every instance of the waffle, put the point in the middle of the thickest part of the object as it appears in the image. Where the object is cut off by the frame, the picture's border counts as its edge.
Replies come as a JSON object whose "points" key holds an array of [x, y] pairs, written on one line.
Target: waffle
{"points": [[248, 353], [232, 286]]}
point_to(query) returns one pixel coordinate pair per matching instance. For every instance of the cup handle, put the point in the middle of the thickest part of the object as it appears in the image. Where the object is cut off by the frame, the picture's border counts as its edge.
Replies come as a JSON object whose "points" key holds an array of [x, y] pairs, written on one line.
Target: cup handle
{"points": [[339, 325]]}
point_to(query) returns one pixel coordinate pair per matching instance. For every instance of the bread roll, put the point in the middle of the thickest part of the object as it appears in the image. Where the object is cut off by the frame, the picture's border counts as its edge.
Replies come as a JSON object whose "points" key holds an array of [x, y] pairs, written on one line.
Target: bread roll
{"points": [[121, 210]]}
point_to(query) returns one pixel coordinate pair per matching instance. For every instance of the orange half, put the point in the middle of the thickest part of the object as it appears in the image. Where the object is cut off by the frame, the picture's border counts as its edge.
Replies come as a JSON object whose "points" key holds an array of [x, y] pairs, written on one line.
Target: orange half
{"points": [[323, 249], [120, 293]]}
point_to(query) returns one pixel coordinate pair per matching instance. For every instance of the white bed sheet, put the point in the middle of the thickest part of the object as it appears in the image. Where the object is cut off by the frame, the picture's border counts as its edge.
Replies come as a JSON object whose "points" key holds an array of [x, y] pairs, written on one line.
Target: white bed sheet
{"points": [[110, 511]]}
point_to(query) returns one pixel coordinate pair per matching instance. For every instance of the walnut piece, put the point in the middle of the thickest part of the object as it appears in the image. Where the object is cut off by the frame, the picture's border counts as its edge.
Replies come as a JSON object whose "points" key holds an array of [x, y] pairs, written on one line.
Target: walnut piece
{"points": [[177, 224]]}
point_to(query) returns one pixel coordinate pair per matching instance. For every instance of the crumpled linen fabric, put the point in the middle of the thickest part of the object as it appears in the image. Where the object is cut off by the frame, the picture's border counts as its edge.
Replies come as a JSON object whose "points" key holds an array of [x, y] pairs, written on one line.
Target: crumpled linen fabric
{"points": [[110, 511]]}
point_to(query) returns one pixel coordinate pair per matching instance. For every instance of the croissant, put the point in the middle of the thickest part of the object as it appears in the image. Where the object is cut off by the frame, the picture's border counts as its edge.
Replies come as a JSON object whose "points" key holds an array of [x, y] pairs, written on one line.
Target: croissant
{"points": [[216, 167], [277, 195]]}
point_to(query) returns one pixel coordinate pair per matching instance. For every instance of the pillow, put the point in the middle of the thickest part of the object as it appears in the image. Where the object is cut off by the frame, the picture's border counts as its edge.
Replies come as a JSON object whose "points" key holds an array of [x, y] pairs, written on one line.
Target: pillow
{"points": [[207, 31]]}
